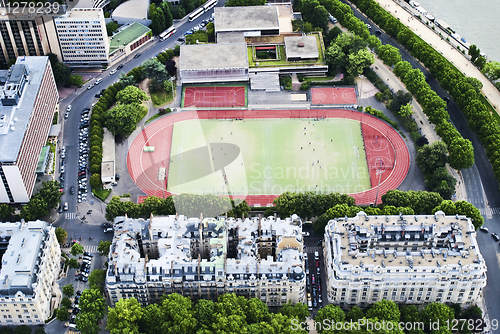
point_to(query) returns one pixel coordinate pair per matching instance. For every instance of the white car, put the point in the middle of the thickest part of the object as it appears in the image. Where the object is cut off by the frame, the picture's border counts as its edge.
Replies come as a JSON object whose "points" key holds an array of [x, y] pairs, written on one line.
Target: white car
{"points": [[90, 86], [305, 234], [66, 115], [112, 72], [484, 228], [368, 26], [68, 108]]}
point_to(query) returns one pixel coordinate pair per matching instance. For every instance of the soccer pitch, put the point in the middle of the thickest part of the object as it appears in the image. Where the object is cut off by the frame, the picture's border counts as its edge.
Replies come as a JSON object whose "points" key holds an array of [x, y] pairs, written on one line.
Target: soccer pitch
{"points": [[268, 156]]}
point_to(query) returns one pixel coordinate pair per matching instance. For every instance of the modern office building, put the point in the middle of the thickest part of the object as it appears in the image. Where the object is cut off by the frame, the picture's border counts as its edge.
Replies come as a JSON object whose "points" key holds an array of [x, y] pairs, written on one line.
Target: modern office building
{"points": [[29, 99], [82, 37], [30, 256], [207, 257], [407, 259]]}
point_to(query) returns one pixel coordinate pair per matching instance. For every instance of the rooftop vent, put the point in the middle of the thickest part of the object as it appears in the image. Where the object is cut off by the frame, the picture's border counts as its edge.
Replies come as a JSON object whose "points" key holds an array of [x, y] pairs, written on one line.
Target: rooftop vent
{"points": [[301, 45]]}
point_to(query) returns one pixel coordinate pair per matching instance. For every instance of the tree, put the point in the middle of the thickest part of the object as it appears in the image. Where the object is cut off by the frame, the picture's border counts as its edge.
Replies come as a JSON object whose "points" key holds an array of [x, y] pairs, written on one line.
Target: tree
{"points": [[401, 98], [92, 301], [103, 247], [406, 111], [210, 32], [411, 315], [122, 119], [492, 70], [76, 80], [437, 313], [95, 180], [158, 23], [389, 54], [384, 310], [200, 36], [155, 70], [62, 314], [36, 208], [51, 194], [111, 27], [61, 234], [23, 329], [233, 3], [335, 57], [69, 290], [97, 278], [125, 317], [73, 263], [40, 330], [131, 95], [298, 310], [127, 80], [478, 85], [76, 249], [87, 323], [357, 62], [474, 52], [66, 302], [461, 153], [6, 211], [467, 209], [331, 312], [354, 314], [169, 20], [320, 17], [431, 157]]}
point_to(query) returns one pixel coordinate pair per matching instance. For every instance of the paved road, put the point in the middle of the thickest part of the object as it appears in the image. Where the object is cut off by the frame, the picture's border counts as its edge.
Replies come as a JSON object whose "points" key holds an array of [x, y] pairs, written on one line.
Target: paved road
{"points": [[480, 183]]}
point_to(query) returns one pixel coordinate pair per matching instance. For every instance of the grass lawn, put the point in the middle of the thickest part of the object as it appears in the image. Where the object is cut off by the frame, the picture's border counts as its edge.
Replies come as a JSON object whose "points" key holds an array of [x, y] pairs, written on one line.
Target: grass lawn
{"points": [[161, 98], [102, 194], [268, 157]]}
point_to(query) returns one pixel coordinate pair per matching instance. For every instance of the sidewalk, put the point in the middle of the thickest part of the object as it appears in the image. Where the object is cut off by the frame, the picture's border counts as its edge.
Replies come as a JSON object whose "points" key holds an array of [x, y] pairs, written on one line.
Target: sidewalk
{"points": [[397, 9]]}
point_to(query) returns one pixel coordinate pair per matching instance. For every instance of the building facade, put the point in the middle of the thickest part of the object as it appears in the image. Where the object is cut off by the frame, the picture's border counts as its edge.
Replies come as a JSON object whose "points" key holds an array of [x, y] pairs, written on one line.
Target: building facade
{"points": [[29, 99], [30, 265], [83, 38], [407, 259], [204, 258]]}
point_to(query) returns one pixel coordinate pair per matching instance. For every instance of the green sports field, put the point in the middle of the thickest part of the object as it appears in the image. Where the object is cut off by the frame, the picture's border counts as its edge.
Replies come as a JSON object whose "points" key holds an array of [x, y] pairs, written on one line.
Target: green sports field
{"points": [[274, 156]]}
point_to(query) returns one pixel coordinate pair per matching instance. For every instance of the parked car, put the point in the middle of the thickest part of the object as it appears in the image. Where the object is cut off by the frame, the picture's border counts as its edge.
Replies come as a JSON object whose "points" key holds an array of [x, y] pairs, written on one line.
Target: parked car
{"points": [[137, 55], [65, 206], [484, 228], [88, 254], [112, 72], [90, 86], [495, 236], [120, 67], [107, 230], [98, 81]]}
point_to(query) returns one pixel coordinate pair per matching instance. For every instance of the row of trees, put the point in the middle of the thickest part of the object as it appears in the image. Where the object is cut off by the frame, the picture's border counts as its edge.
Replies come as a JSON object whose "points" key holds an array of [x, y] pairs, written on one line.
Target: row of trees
{"points": [[23, 329], [161, 17], [190, 205], [388, 313], [48, 197], [463, 90], [336, 205], [313, 12], [177, 314]]}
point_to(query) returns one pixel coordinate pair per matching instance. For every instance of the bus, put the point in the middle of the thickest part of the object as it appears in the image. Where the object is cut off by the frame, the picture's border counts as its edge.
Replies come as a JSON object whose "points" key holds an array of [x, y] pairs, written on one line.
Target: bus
{"points": [[196, 14], [209, 5], [167, 33]]}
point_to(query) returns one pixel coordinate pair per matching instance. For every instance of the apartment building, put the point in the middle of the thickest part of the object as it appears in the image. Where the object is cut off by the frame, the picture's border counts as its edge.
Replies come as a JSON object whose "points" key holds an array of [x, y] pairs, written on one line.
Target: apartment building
{"points": [[207, 257], [407, 259], [29, 98], [30, 265], [82, 37]]}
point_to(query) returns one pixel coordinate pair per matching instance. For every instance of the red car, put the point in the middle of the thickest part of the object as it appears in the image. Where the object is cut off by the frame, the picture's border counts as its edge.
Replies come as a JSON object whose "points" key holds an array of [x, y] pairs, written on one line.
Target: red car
{"points": [[313, 281]]}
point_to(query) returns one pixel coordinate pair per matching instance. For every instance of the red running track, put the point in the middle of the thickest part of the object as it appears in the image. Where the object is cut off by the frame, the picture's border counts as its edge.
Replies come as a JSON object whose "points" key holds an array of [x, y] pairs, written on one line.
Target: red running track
{"points": [[214, 97], [143, 167], [332, 96], [380, 154]]}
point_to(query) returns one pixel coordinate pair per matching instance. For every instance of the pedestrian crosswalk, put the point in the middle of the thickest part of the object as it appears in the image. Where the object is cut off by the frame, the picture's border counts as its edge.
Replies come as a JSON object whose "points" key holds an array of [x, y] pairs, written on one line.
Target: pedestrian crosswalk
{"points": [[90, 249], [70, 215], [312, 249], [489, 211]]}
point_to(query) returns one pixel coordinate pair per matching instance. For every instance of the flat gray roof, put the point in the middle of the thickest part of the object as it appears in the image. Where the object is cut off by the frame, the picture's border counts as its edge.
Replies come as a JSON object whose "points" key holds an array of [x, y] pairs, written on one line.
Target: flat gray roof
{"points": [[230, 37], [108, 157], [11, 136], [308, 47], [210, 56], [21, 255], [246, 18]]}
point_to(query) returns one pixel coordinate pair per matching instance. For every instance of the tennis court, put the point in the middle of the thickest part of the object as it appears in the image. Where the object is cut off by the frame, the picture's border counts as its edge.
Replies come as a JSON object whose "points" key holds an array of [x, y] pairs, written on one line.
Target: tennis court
{"points": [[333, 96], [214, 97]]}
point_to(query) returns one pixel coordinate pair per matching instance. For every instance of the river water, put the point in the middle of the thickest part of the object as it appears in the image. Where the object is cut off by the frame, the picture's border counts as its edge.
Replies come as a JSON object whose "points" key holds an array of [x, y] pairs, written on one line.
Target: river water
{"points": [[478, 21]]}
